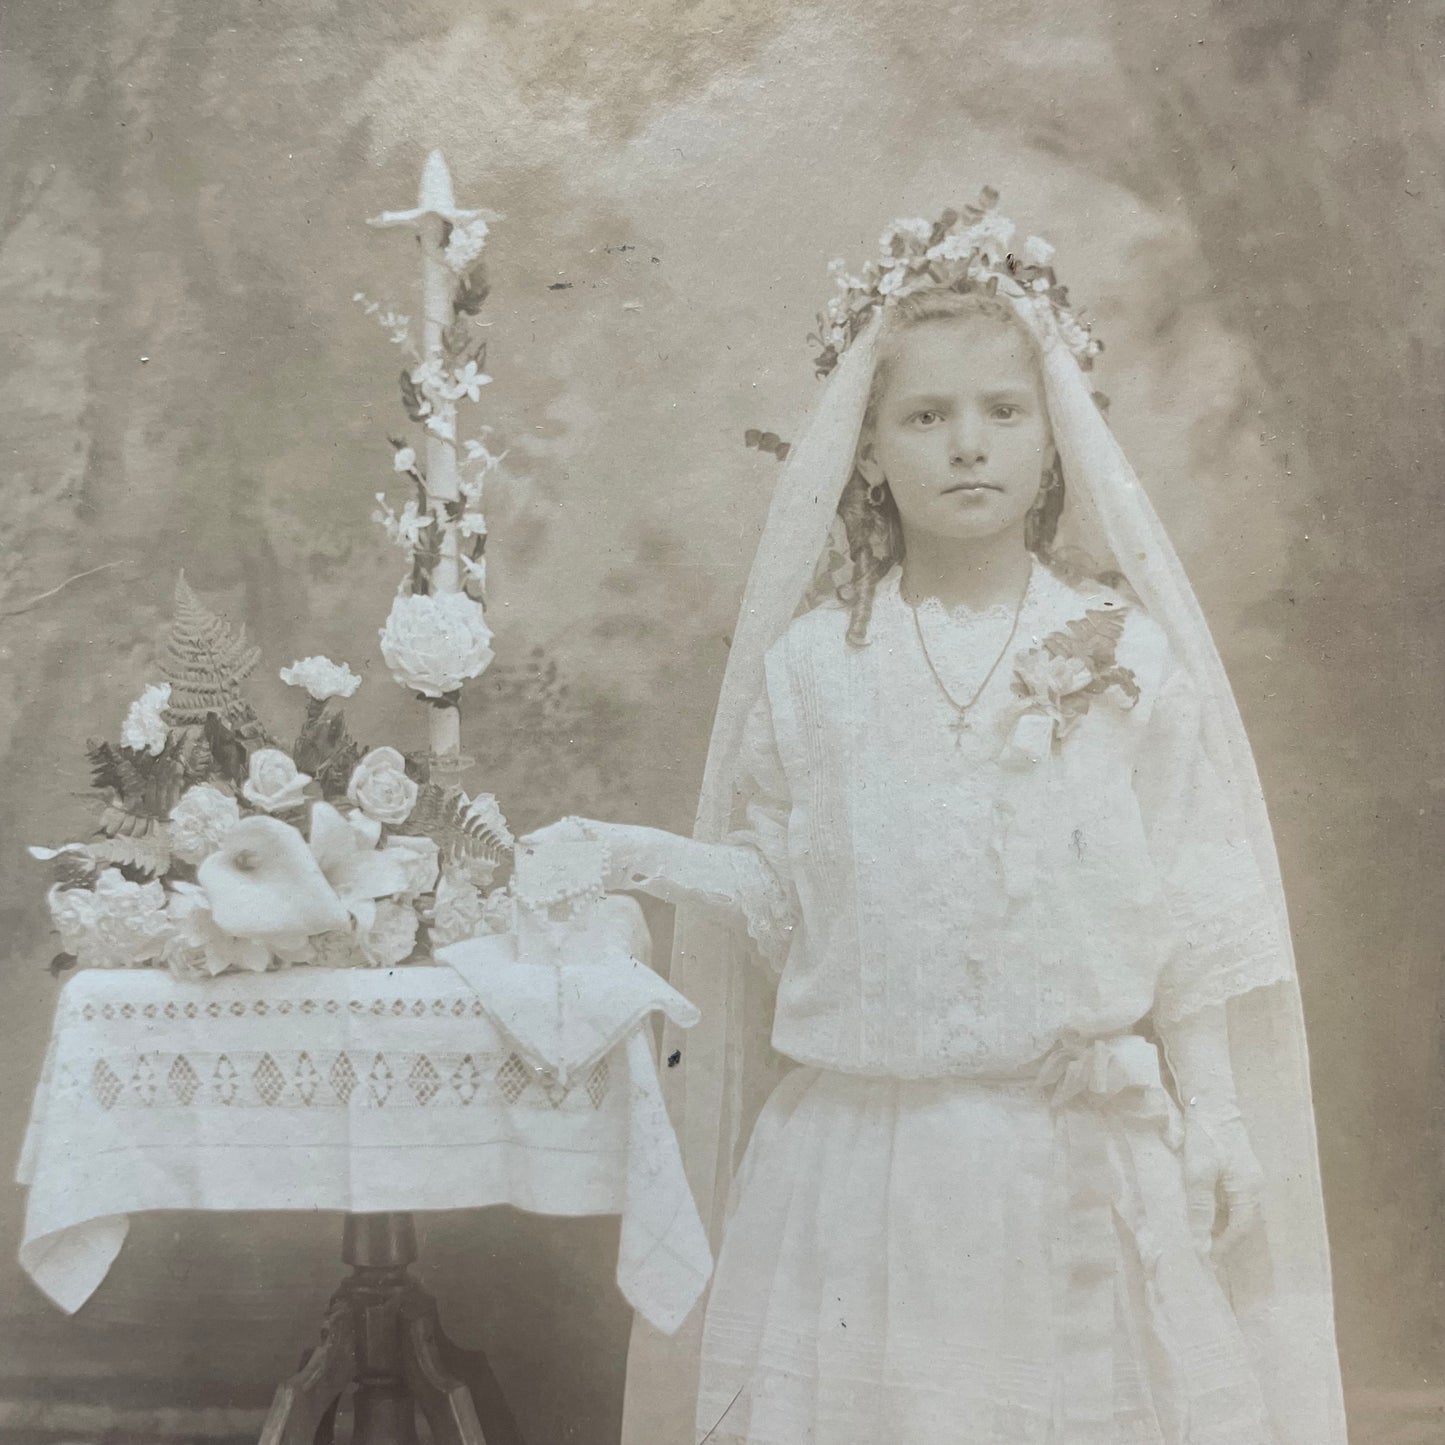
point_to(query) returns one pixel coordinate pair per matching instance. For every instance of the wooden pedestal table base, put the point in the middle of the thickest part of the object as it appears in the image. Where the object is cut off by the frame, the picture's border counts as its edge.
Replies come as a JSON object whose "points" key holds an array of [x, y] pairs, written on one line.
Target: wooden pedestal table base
{"points": [[381, 1340]]}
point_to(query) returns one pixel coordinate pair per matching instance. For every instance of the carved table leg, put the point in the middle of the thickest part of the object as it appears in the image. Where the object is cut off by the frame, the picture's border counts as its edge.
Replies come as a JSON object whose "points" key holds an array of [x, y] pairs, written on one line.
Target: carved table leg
{"points": [[382, 1339], [474, 1370], [304, 1407], [444, 1400], [384, 1409]]}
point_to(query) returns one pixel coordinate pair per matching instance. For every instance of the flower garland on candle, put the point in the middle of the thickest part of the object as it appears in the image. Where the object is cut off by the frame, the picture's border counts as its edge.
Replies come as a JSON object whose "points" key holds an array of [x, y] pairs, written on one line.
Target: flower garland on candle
{"points": [[435, 640]]}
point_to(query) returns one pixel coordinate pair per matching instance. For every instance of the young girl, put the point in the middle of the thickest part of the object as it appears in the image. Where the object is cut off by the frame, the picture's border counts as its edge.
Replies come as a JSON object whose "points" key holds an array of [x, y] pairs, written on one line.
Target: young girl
{"points": [[999, 843]]}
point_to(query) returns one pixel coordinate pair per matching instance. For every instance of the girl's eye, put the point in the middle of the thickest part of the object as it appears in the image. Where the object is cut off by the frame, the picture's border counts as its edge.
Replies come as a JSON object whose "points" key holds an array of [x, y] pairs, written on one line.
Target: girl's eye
{"points": [[927, 418], [1006, 411]]}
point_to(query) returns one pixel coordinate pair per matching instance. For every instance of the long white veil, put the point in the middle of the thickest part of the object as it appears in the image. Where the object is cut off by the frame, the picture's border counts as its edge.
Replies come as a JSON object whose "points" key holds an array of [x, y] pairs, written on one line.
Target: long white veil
{"points": [[1279, 1281]]}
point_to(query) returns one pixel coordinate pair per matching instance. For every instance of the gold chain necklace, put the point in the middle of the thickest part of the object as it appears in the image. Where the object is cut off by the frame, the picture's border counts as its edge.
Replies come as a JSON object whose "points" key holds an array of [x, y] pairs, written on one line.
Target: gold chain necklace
{"points": [[961, 724]]}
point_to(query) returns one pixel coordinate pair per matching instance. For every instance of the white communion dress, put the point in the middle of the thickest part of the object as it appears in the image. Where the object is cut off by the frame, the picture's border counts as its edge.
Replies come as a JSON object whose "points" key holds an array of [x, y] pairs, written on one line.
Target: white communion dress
{"points": [[961, 1220]]}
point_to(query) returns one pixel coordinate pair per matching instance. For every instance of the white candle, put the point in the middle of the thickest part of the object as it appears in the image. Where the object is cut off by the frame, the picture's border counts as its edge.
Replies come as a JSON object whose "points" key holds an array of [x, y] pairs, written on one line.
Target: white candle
{"points": [[436, 209]]}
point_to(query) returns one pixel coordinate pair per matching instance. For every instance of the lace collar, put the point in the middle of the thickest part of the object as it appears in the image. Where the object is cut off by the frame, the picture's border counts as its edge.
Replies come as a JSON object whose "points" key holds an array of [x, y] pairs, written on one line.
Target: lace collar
{"points": [[1047, 599]]}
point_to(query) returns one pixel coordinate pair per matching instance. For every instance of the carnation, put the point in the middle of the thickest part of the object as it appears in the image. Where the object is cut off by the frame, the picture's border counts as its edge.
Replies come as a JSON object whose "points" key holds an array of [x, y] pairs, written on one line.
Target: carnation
{"points": [[118, 924], [200, 820], [334, 949], [460, 912], [435, 643], [321, 677], [418, 858], [392, 934], [145, 724]]}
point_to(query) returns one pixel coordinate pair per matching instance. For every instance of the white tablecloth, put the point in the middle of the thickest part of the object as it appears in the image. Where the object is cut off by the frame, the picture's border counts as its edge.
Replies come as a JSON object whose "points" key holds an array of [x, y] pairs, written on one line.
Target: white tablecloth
{"points": [[356, 1090]]}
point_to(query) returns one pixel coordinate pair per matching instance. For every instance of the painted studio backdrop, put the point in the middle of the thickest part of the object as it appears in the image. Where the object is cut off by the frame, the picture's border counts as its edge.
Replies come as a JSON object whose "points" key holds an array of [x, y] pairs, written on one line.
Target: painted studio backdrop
{"points": [[1245, 199]]}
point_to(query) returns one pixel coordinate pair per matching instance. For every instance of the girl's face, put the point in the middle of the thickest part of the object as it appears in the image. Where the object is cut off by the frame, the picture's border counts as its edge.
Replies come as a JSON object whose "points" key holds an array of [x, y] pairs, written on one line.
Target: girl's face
{"points": [[960, 432]]}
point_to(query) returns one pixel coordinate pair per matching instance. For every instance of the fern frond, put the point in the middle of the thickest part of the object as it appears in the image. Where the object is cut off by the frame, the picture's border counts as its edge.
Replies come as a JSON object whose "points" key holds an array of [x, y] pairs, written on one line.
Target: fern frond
{"points": [[464, 830], [147, 853], [206, 662], [108, 770]]}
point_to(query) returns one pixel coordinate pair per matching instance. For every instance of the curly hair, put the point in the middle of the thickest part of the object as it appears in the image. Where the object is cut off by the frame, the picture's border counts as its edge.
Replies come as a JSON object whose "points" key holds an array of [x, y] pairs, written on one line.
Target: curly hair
{"points": [[875, 530]]}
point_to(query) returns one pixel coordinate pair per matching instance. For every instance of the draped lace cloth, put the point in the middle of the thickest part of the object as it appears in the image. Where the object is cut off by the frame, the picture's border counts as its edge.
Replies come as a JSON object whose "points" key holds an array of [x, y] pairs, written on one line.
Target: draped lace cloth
{"points": [[1278, 1283]]}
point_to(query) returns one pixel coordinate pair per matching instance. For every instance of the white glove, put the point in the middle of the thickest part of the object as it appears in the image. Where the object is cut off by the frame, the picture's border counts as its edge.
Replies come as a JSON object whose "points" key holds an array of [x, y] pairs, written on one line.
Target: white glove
{"points": [[1220, 1166], [666, 865]]}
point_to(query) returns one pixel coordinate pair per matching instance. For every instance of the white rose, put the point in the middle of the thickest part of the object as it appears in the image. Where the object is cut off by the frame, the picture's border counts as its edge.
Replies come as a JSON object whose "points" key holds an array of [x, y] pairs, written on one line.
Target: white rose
{"points": [[200, 820], [118, 924], [274, 783], [145, 724], [1037, 252], [418, 859], [380, 787], [321, 677], [392, 934], [404, 459], [433, 644]]}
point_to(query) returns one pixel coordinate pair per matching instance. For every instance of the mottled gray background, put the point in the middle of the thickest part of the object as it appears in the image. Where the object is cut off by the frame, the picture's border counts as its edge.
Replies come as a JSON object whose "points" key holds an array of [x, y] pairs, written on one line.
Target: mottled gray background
{"points": [[1247, 196]]}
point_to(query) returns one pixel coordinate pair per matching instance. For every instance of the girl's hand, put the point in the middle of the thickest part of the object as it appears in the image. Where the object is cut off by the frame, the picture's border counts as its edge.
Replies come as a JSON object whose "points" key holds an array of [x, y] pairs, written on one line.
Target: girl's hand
{"points": [[619, 838], [1220, 1165]]}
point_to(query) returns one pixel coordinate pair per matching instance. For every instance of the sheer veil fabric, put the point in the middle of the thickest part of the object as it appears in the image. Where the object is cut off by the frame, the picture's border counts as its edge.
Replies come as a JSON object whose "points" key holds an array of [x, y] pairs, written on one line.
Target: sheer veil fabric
{"points": [[1279, 1280]]}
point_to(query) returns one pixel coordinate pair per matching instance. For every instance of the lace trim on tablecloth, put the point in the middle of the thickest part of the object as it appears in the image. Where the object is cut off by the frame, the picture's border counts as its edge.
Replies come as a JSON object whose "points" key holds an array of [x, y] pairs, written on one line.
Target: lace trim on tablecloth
{"points": [[319, 1079], [415, 1008]]}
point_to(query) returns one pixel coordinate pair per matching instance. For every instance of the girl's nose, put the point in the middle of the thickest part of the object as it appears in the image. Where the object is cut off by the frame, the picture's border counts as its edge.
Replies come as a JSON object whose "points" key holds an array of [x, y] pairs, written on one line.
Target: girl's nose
{"points": [[966, 443]]}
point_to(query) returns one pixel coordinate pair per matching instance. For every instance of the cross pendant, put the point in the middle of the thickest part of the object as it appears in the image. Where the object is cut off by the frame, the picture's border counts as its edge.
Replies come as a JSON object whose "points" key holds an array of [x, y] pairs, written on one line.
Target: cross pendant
{"points": [[960, 726]]}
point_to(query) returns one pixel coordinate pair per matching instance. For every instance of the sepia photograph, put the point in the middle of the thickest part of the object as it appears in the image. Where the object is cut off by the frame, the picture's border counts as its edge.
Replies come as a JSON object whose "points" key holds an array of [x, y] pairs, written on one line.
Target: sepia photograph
{"points": [[722, 722]]}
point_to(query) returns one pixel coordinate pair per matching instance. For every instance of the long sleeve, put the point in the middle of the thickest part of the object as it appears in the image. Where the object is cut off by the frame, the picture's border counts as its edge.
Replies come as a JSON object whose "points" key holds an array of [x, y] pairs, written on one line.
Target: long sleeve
{"points": [[1228, 939], [747, 873]]}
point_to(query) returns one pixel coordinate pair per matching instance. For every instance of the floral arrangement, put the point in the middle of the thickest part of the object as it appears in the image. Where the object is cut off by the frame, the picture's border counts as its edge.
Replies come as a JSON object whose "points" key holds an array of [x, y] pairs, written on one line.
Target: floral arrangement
{"points": [[216, 847], [972, 250], [1059, 679]]}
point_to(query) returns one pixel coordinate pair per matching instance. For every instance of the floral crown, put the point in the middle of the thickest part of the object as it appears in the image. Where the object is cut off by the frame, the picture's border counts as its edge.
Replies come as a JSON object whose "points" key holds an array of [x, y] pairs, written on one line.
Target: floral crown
{"points": [[969, 251]]}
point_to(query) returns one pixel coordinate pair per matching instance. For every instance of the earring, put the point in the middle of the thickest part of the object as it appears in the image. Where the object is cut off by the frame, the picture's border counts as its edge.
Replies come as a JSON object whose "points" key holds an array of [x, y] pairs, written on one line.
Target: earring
{"points": [[877, 494]]}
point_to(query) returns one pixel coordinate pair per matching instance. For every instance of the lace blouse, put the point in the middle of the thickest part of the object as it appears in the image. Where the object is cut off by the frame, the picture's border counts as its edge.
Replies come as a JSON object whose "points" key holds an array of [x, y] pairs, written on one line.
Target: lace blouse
{"points": [[943, 901]]}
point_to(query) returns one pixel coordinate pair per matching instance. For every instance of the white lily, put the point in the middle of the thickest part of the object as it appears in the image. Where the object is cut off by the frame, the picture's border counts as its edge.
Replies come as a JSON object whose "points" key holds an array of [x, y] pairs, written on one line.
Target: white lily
{"points": [[265, 881], [345, 849]]}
